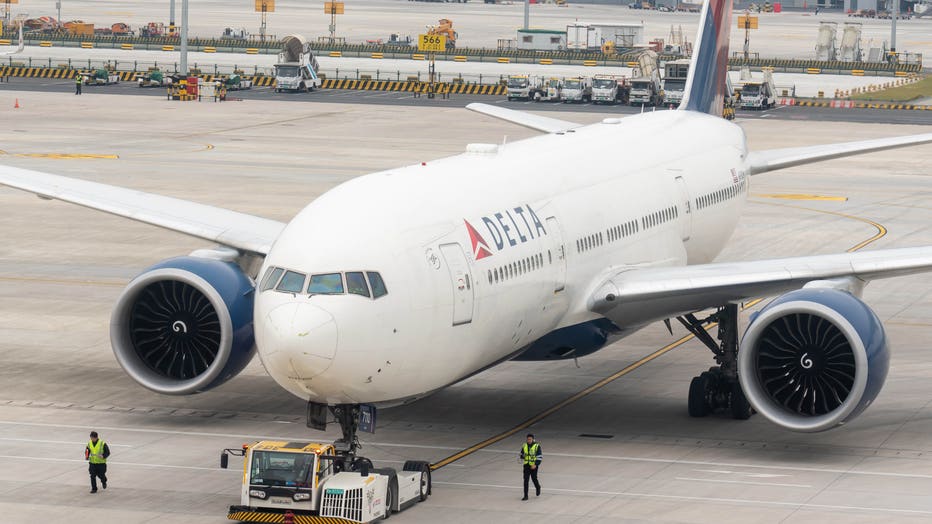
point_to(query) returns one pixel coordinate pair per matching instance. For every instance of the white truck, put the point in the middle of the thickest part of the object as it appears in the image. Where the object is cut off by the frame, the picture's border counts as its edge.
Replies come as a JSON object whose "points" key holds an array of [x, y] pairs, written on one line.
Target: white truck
{"points": [[578, 89], [297, 67], [646, 89], [523, 87], [610, 89], [237, 82], [552, 90], [310, 480], [758, 94], [674, 80]]}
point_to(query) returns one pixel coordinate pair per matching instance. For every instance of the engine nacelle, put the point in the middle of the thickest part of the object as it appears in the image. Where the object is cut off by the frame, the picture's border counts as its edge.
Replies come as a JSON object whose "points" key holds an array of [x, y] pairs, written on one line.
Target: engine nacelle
{"points": [[185, 325], [813, 359]]}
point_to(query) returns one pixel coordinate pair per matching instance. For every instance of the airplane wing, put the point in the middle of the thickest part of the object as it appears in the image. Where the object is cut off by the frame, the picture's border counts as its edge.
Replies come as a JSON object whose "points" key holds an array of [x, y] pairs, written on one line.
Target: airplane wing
{"points": [[635, 296], [229, 228], [770, 160], [539, 123]]}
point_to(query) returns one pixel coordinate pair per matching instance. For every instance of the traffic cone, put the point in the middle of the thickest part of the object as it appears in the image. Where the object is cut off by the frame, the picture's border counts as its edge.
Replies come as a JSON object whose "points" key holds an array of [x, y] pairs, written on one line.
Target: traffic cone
{"points": [[16, 105]]}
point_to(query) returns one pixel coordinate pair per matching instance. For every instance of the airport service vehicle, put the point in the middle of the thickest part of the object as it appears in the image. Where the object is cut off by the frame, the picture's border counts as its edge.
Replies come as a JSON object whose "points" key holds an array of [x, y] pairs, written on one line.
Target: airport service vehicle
{"points": [[297, 67], [154, 79], [759, 94], [397, 284], [312, 479], [674, 80], [237, 83], [523, 87], [577, 89], [607, 89], [551, 90], [645, 91], [100, 77]]}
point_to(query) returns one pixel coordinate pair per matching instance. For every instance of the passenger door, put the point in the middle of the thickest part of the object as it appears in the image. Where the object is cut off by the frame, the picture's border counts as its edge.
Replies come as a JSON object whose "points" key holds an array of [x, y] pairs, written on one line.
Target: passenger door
{"points": [[686, 218], [461, 282], [559, 253]]}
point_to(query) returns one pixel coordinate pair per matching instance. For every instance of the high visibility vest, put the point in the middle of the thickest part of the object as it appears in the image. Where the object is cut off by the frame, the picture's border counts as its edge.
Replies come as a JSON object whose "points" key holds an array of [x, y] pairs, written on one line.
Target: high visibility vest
{"points": [[77, 79], [97, 452], [530, 455]]}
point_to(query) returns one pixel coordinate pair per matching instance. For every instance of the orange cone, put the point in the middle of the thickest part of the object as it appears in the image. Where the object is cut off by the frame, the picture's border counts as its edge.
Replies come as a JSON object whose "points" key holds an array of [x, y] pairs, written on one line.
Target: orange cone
{"points": [[16, 105]]}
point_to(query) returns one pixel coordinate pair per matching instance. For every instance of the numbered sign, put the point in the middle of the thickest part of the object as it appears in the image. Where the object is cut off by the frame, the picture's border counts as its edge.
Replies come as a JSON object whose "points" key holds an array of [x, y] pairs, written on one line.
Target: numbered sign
{"points": [[432, 43], [333, 8]]}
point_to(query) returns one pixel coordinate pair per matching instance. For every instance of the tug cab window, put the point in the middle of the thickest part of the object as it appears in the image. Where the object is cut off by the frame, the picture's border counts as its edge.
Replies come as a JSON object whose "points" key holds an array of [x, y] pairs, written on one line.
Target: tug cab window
{"points": [[378, 286], [292, 282], [326, 284], [356, 284]]}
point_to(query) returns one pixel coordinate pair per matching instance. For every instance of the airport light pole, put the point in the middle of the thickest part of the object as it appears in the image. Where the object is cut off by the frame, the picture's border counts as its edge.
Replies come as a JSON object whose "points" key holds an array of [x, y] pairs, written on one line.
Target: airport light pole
{"points": [[58, 6], [895, 14], [527, 14], [184, 37]]}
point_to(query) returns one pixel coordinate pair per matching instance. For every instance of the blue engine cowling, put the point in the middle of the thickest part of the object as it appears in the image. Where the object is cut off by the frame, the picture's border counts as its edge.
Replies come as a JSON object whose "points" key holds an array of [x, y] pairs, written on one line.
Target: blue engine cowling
{"points": [[813, 359], [184, 325]]}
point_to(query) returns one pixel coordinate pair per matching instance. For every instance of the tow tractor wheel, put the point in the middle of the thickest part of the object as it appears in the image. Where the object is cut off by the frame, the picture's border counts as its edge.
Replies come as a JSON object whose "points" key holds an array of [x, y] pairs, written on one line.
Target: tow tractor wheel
{"points": [[389, 500], [424, 468]]}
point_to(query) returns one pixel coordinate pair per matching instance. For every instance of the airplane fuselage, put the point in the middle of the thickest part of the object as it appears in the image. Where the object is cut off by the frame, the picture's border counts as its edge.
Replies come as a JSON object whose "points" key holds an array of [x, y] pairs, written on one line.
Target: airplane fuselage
{"points": [[486, 253]]}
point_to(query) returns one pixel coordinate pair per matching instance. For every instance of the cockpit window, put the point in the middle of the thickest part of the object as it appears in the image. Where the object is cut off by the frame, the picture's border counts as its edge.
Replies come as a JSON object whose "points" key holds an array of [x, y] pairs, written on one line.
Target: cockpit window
{"points": [[378, 286], [271, 278], [292, 282], [356, 284], [326, 284]]}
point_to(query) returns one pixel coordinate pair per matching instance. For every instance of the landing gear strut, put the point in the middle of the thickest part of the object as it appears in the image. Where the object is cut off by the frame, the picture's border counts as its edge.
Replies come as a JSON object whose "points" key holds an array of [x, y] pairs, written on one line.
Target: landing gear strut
{"points": [[347, 415], [718, 388]]}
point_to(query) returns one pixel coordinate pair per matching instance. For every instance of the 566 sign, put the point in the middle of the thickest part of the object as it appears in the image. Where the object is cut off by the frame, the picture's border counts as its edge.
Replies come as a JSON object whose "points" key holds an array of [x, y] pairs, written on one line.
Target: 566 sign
{"points": [[435, 43]]}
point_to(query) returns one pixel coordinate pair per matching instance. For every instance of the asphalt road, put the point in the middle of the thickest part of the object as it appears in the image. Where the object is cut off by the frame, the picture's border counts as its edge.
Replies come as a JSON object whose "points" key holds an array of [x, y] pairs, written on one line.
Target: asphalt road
{"points": [[867, 116]]}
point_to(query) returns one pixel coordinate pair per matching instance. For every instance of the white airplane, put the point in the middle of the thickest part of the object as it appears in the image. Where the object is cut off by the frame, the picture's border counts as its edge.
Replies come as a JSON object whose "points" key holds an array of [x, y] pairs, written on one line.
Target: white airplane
{"points": [[22, 44], [403, 282]]}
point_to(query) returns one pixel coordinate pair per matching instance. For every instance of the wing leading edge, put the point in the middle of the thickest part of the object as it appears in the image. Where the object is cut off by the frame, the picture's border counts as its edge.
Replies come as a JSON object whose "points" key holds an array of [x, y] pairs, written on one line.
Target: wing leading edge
{"points": [[229, 228], [773, 159], [636, 296], [540, 123]]}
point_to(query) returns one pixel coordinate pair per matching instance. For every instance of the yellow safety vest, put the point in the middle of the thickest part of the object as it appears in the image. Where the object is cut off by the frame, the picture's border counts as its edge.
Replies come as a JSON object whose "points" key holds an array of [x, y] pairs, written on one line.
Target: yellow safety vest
{"points": [[97, 452], [530, 455]]}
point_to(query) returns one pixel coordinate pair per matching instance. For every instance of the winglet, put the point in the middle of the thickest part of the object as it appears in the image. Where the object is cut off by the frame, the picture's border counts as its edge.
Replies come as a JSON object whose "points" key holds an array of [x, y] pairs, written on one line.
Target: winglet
{"points": [[705, 86], [539, 123]]}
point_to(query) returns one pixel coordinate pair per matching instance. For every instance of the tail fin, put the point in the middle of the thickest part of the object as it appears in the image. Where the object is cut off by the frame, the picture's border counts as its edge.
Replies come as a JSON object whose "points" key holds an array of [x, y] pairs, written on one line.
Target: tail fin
{"points": [[705, 86]]}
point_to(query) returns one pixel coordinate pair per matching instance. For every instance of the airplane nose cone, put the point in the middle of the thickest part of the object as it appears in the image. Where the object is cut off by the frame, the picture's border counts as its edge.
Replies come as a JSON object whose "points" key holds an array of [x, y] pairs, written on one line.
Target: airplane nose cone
{"points": [[301, 340]]}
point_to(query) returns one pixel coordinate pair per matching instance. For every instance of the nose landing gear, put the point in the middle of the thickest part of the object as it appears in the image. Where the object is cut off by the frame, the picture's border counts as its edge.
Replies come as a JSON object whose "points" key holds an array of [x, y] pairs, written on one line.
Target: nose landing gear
{"points": [[347, 415]]}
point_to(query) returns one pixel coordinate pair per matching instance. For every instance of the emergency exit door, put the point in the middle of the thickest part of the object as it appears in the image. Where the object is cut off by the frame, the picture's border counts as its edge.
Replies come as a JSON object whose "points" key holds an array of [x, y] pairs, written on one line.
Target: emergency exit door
{"points": [[461, 282]]}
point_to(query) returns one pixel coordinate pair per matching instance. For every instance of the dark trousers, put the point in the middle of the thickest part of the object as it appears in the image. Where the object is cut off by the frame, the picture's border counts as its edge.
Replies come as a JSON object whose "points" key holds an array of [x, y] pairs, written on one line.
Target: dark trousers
{"points": [[98, 470], [77, 89], [530, 474]]}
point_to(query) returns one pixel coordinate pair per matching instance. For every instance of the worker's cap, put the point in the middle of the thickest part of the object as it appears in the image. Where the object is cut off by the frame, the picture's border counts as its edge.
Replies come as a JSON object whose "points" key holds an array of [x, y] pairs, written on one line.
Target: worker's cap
{"points": [[93, 434]]}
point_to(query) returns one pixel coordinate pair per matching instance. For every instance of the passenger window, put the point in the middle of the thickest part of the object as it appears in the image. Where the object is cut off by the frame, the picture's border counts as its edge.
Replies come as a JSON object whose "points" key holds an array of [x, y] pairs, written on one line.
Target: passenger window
{"points": [[378, 286], [356, 284], [326, 284], [271, 278], [292, 282]]}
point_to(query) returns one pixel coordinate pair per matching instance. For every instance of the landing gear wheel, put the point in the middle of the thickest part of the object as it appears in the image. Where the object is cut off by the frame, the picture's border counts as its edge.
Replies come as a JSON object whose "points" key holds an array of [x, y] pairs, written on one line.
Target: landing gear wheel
{"points": [[740, 407], [698, 395]]}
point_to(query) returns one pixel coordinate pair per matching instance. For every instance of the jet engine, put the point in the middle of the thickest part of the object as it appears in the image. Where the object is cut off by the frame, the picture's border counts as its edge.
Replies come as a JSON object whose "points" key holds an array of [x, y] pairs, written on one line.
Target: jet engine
{"points": [[185, 325], [813, 359]]}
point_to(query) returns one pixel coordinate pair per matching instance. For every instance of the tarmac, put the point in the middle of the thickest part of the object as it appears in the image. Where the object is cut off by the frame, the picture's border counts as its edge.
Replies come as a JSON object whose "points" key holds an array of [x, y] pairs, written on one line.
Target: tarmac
{"points": [[624, 452]]}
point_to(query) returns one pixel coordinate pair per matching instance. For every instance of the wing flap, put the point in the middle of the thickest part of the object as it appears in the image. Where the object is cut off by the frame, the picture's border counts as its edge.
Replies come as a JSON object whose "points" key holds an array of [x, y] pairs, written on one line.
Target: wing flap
{"points": [[539, 123], [226, 227], [635, 296], [773, 159]]}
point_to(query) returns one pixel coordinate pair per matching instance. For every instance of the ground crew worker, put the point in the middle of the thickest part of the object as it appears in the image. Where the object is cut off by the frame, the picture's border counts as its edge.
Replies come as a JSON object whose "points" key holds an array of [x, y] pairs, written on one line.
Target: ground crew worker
{"points": [[530, 457], [77, 83], [96, 454]]}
